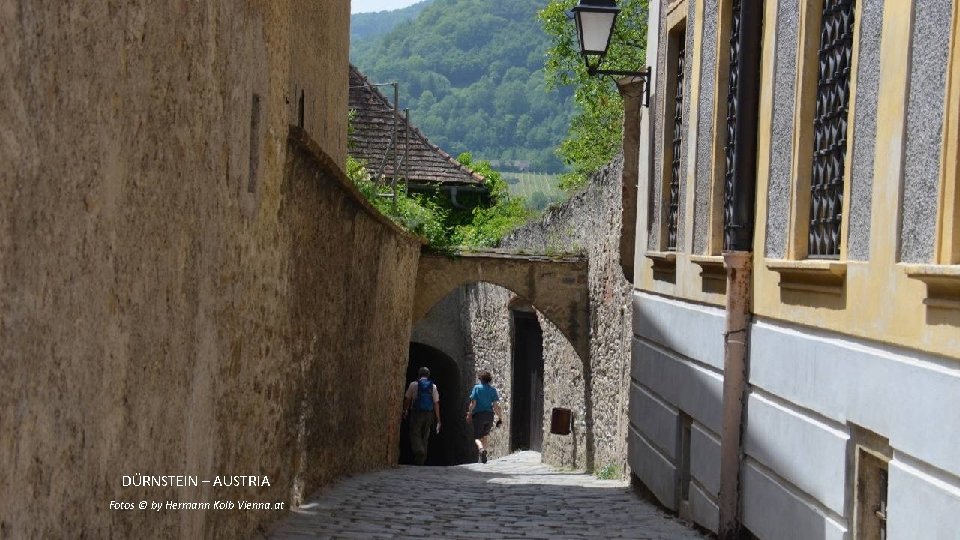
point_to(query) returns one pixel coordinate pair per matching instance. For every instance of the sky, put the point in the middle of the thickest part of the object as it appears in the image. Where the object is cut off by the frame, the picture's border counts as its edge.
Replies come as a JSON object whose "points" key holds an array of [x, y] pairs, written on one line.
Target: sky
{"points": [[366, 6]]}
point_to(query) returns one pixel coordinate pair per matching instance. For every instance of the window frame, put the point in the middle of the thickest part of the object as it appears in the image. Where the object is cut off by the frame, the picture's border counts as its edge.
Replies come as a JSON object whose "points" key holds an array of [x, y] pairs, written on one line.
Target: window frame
{"points": [[805, 104], [721, 84], [676, 33]]}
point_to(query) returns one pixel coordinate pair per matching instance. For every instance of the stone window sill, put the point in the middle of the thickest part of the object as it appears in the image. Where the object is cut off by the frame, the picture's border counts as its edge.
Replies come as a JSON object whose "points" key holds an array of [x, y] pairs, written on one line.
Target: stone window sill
{"points": [[811, 275], [943, 283], [713, 273], [664, 265], [710, 265]]}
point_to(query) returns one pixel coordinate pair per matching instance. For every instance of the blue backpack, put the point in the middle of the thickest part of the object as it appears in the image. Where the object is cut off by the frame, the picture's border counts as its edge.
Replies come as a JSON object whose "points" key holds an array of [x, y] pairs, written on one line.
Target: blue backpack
{"points": [[424, 395]]}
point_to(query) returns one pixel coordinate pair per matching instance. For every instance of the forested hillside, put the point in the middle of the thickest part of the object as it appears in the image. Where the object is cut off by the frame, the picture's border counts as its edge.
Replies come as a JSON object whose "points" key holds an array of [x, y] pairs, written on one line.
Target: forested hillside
{"points": [[370, 25], [471, 72]]}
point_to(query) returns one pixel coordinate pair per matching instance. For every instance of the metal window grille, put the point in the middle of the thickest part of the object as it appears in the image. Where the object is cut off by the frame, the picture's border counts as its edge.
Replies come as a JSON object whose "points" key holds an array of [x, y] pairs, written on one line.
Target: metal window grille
{"points": [[740, 147], [830, 128], [730, 149], [674, 202]]}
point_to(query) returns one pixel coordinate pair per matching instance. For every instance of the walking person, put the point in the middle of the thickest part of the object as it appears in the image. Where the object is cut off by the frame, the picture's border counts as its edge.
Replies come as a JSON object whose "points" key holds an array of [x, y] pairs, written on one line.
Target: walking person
{"points": [[423, 399], [484, 402]]}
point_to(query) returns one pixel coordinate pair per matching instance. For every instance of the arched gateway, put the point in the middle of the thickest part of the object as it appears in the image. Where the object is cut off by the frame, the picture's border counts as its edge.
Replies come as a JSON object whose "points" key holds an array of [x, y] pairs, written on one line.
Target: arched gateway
{"points": [[555, 286]]}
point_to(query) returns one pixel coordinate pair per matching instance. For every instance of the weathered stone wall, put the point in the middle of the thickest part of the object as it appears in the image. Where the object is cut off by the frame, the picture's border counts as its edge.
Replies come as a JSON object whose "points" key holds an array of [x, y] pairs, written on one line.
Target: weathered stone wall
{"points": [[169, 305], [595, 388], [488, 325]]}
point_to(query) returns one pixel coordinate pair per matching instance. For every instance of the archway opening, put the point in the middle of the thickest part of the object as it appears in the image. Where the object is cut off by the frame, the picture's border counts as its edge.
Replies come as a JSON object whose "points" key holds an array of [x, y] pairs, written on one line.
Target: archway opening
{"points": [[526, 412], [451, 446]]}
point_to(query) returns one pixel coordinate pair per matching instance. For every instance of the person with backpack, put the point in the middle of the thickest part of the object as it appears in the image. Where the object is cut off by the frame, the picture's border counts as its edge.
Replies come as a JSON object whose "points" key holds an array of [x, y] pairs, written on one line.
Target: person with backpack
{"points": [[423, 399], [484, 401]]}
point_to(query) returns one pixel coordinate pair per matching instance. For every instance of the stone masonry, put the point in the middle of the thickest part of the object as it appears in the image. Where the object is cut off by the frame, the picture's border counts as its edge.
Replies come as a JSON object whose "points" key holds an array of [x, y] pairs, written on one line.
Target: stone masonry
{"points": [[177, 263], [595, 389]]}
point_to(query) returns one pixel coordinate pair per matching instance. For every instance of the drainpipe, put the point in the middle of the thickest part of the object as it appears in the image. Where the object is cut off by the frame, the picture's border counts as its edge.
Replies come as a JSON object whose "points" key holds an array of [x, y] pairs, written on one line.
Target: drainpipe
{"points": [[739, 216], [739, 266]]}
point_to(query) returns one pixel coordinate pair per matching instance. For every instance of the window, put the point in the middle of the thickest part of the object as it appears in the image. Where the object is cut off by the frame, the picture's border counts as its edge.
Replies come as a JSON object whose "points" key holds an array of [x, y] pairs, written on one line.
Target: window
{"points": [[871, 496], [730, 148], [254, 162], [834, 59], [301, 109], [740, 146], [871, 459], [674, 107]]}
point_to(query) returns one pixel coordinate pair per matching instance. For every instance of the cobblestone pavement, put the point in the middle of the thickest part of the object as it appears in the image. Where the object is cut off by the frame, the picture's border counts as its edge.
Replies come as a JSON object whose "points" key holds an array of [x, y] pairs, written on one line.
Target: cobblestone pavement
{"points": [[511, 497]]}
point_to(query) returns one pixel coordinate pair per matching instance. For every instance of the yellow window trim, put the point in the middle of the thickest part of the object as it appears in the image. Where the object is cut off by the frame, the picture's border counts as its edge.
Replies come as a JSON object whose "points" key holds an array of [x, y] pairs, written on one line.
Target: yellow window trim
{"points": [[942, 281], [713, 273], [673, 7]]}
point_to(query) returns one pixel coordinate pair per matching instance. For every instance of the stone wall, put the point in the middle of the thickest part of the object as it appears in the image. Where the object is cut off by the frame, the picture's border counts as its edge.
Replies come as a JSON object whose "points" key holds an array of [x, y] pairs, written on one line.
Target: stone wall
{"points": [[595, 389], [171, 301], [488, 325]]}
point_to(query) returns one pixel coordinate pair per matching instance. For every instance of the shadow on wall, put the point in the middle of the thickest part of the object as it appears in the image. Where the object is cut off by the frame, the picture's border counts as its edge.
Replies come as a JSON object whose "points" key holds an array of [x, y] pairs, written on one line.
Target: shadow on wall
{"points": [[675, 416], [676, 413], [452, 446]]}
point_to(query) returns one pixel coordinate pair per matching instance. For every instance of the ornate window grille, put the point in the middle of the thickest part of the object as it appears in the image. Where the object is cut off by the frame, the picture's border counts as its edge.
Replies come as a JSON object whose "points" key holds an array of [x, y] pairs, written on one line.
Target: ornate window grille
{"points": [[830, 128], [674, 201], [740, 147], [730, 150]]}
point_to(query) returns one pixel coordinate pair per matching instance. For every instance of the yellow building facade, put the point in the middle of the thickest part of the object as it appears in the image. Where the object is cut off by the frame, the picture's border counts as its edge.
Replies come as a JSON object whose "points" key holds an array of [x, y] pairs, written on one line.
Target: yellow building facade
{"points": [[852, 361]]}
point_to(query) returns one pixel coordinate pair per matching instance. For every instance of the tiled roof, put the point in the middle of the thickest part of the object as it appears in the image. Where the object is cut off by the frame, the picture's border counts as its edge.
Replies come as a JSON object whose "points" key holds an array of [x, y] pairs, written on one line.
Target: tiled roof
{"points": [[372, 131]]}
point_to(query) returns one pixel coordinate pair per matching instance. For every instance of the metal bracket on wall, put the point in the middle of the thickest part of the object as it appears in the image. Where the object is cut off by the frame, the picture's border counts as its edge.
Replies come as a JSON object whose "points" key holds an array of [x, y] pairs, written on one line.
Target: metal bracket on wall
{"points": [[644, 75]]}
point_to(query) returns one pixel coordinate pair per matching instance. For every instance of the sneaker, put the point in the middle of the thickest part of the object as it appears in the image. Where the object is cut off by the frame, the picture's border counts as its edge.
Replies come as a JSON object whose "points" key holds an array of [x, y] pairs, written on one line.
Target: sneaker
{"points": [[483, 456]]}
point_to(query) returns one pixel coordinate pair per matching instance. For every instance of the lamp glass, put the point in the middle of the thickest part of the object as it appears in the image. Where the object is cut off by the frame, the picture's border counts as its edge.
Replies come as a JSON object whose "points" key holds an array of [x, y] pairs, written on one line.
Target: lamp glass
{"points": [[594, 29]]}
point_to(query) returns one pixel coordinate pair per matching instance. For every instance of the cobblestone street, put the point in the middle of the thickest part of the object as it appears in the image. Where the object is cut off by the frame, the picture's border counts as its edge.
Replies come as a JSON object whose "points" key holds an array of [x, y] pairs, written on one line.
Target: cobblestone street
{"points": [[511, 497]]}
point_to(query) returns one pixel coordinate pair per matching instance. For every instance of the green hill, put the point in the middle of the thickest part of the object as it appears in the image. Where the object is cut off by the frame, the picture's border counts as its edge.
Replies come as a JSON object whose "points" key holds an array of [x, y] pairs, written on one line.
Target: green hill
{"points": [[471, 72], [370, 25]]}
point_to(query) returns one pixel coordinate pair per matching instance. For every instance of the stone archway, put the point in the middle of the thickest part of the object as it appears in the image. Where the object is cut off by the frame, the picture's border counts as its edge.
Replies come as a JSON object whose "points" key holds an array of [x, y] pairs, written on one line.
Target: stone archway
{"points": [[555, 290], [554, 286]]}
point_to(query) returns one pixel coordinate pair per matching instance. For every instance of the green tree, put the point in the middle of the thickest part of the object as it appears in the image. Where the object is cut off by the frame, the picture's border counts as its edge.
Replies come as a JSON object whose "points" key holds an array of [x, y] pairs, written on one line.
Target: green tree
{"points": [[488, 223], [539, 201], [596, 131]]}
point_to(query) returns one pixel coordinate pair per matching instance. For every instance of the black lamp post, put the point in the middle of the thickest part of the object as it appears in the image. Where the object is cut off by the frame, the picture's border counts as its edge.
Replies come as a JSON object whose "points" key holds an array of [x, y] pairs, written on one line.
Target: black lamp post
{"points": [[595, 21]]}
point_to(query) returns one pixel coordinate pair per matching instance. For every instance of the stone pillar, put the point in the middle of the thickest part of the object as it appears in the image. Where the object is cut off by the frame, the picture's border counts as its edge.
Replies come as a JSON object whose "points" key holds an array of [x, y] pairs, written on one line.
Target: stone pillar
{"points": [[631, 89], [736, 339]]}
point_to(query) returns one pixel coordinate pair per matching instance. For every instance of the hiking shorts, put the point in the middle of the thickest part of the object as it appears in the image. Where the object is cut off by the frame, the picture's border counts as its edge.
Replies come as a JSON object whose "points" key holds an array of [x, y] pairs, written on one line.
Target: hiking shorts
{"points": [[482, 424]]}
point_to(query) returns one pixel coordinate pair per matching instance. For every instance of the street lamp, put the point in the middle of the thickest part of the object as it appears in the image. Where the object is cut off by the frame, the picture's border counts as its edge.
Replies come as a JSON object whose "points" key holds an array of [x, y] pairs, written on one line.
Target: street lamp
{"points": [[595, 21]]}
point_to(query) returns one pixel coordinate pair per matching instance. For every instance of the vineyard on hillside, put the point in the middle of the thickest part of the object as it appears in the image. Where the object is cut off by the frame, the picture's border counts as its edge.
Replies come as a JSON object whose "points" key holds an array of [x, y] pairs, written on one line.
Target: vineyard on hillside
{"points": [[539, 189]]}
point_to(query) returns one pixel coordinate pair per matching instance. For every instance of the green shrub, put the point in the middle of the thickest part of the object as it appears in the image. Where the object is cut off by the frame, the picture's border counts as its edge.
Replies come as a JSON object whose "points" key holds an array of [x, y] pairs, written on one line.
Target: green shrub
{"points": [[417, 213], [432, 216]]}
